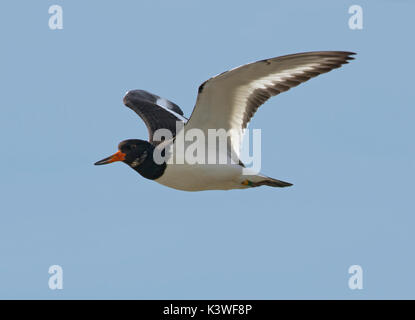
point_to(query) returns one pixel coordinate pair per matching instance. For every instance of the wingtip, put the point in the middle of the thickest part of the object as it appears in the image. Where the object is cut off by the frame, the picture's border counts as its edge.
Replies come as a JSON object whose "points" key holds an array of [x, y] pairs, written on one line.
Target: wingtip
{"points": [[350, 55]]}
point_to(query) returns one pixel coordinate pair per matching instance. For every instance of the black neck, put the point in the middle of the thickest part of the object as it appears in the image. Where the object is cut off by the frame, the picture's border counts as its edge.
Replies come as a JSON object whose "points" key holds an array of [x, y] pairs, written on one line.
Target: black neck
{"points": [[149, 168]]}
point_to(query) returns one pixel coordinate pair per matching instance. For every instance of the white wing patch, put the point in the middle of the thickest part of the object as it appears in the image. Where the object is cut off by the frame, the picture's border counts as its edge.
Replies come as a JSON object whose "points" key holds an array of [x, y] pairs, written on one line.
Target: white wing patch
{"points": [[166, 104], [229, 100]]}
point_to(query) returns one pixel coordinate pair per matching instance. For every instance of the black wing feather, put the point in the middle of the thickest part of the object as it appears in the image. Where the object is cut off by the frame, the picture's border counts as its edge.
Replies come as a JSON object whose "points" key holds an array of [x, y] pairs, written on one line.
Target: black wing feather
{"points": [[155, 116]]}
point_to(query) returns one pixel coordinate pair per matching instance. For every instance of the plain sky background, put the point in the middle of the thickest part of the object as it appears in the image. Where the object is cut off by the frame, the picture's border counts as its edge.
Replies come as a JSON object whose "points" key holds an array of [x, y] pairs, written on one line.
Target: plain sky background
{"points": [[345, 139]]}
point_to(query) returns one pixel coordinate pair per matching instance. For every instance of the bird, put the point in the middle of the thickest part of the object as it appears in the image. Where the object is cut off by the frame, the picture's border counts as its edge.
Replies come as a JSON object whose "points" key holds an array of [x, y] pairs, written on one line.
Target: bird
{"points": [[226, 101]]}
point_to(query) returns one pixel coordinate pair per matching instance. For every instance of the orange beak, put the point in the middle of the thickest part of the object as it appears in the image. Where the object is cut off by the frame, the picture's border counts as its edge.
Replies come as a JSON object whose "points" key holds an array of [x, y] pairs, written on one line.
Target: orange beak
{"points": [[118, 156]]}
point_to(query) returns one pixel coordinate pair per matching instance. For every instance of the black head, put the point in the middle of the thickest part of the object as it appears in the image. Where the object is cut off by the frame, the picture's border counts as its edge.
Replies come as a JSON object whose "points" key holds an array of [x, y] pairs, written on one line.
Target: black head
{"points": [[132, 152], [138, 154]]}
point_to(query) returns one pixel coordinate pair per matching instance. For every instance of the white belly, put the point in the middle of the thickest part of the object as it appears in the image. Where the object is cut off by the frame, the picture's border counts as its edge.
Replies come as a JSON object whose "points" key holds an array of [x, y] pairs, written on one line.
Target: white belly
{"points": [[199, 177]]}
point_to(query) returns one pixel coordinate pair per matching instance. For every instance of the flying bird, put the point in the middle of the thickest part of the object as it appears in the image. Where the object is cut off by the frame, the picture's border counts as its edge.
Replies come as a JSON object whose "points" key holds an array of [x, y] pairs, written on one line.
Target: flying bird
{"points": [[227, 101]]}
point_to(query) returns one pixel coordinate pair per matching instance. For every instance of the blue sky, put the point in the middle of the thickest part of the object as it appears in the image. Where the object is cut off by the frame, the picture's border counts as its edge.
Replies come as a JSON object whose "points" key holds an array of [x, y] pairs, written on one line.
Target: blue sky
{"points": [[345, 139]]}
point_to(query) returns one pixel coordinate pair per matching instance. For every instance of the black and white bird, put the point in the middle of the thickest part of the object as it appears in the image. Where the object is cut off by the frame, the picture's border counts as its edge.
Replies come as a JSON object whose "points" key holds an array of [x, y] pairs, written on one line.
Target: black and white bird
{"points": [[227, 101]]}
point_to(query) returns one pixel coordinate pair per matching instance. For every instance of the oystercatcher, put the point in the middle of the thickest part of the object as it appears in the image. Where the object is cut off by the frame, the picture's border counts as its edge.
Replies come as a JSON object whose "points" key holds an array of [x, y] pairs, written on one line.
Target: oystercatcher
{"points": [[227, 101]]}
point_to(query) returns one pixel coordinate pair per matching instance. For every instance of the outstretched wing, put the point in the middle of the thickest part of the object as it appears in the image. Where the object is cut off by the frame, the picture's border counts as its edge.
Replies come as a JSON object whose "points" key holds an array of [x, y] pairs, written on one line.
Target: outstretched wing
{"points": [[229, 100], [156, 112]]}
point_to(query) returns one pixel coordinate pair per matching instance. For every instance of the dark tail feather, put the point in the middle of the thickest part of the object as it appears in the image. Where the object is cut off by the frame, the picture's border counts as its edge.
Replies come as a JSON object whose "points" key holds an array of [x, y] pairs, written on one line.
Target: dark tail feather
{"points": [[272, 183]]}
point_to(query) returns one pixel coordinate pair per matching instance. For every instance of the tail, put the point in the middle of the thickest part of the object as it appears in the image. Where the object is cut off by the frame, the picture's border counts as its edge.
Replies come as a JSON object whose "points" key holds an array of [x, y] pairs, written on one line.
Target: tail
{"points": [[257, 181]]}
